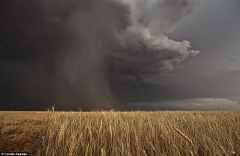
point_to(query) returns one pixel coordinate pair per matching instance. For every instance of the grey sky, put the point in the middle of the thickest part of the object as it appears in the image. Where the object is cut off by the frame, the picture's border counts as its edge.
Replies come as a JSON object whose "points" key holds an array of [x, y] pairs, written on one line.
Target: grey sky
{"points": [[148, 54], [214, 30]]}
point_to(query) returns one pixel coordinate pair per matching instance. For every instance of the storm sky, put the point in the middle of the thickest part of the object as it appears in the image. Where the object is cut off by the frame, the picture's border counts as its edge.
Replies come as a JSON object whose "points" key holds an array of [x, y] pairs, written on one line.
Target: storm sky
{"points": [[121, 54]]}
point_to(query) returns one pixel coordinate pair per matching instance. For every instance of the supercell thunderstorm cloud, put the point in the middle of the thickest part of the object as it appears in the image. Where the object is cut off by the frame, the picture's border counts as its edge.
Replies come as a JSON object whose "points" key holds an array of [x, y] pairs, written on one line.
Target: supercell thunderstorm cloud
{"points": [[79, 53]]}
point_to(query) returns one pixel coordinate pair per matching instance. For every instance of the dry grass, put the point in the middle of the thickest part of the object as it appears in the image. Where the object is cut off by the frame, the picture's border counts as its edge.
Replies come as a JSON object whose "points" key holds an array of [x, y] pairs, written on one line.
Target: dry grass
{"points": [[17, 130], [132, 133]]}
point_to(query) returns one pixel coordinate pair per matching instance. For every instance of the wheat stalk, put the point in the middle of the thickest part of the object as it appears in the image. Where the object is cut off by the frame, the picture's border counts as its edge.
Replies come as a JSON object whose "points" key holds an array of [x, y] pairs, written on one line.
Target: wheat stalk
{"points": [[61, 133], [100, 127], [86, 152], [72, 146], [237, 135], [150, 143], [185, 137]]}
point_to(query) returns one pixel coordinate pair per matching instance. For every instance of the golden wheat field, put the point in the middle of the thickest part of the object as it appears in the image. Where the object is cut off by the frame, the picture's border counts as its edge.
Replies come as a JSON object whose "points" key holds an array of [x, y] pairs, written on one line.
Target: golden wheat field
{"points": [[101, 133]]}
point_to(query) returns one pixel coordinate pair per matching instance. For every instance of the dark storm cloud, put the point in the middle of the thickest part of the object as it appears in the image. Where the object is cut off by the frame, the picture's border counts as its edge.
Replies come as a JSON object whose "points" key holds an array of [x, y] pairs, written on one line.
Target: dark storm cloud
{"points": [[73, 53], [162, 15], [143, 48]]}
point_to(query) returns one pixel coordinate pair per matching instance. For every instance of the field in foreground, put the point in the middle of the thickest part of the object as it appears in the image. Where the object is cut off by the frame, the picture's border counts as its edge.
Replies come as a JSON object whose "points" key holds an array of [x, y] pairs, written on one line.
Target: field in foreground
{"points": [[121, 133]]}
